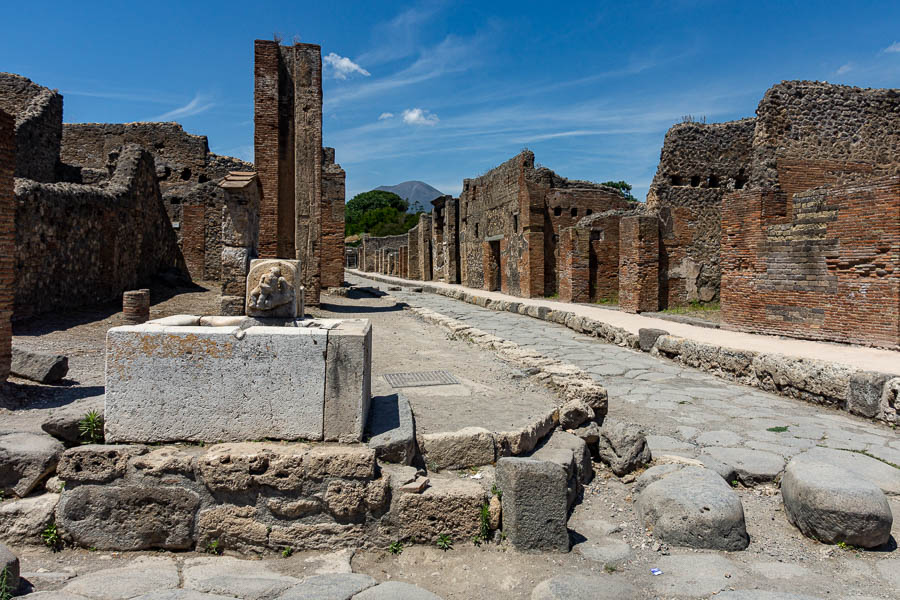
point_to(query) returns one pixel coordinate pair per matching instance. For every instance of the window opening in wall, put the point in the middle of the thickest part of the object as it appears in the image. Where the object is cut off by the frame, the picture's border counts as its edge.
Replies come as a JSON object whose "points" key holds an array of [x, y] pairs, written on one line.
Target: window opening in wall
{"points": [[713, 181], [574, 212], [476, 230], [695, 181], [185, 174], [676, 180], [516, 223], [557, 210], [589, 212], [596, 235], [740, 180]]}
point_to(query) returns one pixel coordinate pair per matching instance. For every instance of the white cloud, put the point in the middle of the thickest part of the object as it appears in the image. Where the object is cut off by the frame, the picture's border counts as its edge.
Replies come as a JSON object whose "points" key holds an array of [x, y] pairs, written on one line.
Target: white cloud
{"points": [[844, 69], [417, 116], [343, 66], [385, 115], [198, 105], [895, 47]]}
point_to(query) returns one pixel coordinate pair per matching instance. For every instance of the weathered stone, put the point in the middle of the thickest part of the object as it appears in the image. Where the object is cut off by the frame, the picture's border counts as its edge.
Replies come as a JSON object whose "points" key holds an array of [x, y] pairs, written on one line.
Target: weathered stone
{"points": [[55, 596], [96, 463], [63, 422], [246, 579], [470, 446], [144, 575], [25, 460], [9, 565], [346, 500], [585, 388], [831, 504], [332, 586], [113, 517], [865, 393], [578, 448], [164, 461], [348, 380], [694, 507], [293, 509], [22, 521], [750, 466], [286, 467], [392, 429], [520, 441], [623, 447], [273, 288], [565, 459], [232, 528], [573, 413], [448, 506], [881, 474], [495, 512], [584, 587], [534, 503], [416, 486], [647, 337], [396, 590], [655, 473], [214, 383], [43, 368], [317, 536], [181, 595], [762, 595]]}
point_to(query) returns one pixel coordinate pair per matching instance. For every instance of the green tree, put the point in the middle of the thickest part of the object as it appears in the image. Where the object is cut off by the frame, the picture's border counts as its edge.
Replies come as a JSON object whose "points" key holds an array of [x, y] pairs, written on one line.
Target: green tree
{"points": [[623, 187], [378, 213]]}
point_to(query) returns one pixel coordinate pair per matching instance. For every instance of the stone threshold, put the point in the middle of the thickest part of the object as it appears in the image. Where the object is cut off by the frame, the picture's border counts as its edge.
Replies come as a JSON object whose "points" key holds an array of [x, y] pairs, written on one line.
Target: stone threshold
{"points": [[871, 394]]}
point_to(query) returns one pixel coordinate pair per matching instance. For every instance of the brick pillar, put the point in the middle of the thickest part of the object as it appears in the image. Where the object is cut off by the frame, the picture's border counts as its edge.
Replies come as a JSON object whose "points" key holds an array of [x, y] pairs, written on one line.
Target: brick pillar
{"points": [[574, 266], [403, 258], [193, 239], [424, 232], [136, 306], [7, 238], [413, 270], [267, 140], [639, 264], [333, 196]]}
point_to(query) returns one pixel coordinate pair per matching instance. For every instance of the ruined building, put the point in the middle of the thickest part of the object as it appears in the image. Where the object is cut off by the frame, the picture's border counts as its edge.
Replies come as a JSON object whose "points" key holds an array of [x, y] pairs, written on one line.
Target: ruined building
{"points": [[7, 238], [302, 209], [79, 244]]}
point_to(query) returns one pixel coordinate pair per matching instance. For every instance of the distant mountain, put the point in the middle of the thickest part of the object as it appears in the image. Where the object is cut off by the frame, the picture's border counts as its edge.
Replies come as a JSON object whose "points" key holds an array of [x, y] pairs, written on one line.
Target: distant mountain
{"points": [[414, 191]]}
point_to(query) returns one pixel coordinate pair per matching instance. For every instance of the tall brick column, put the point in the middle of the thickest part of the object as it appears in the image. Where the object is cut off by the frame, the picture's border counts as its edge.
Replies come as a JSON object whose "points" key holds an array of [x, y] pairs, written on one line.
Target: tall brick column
{"points": [[7, 238], [639, 263], [574, 265]]}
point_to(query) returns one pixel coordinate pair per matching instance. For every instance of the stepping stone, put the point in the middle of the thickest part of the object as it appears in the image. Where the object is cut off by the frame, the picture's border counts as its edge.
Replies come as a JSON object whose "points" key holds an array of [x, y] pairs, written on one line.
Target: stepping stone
{"points": [[337, 586], [584, 587], [693, 507], [606, 551], [395, 590], [25, 459], [246, 579], [143, 576], [832, 505], [750, 466], [881, 474]]}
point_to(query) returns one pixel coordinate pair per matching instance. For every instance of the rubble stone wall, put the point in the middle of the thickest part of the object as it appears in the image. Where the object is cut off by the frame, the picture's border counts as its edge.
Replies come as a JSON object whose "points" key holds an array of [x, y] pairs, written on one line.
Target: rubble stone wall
{"points": [[79, 244], [7, 238], [38, 122], [333, 195], [639, 263], [826, 268]]}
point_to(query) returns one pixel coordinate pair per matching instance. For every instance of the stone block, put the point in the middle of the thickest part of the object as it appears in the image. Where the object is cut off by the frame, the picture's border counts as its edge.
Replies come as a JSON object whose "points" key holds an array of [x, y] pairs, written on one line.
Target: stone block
{"points": [[864, 398], [231, 305], [63, 422], [392, 429], [448, 506], [9, 564], [647, 337], [534, 504], [622, 446], [25, 460], [43, 368], [468, 447], [22, 521], [273, 288], [96, 463], [348, 380], [214, 383], [112, 517]]}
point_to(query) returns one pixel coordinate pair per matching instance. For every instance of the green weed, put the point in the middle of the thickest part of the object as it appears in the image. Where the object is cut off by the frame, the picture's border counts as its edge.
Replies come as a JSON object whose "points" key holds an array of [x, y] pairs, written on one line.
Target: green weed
{"points": [[779, 429], [396, 547], [445, 542], [90, 428], [51, 538]]}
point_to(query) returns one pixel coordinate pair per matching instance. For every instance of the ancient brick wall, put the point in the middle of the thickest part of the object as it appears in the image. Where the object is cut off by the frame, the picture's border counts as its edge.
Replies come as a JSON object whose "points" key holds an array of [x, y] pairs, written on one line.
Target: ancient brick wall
{"points": [[333, 196], [413, 268], [574, 265], [38, 123], [403, 262], [446, 239], [423, 230], [7, 238], [839, 130], [79, 244], [826, 268], [699, 164], [639, 263]]}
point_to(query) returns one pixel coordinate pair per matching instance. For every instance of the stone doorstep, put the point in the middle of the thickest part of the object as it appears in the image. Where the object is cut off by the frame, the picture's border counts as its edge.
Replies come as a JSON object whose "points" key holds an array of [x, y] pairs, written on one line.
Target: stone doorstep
{"points": [[864, 391]]}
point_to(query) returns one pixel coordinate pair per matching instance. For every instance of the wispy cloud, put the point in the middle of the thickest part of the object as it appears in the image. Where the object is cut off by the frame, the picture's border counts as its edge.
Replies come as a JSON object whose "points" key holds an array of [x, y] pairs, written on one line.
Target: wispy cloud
{"points": [[385, 115], [893, 48], [845, 68], [129, 96], [418, 116], [404, 32], [341, 66], [199, 104]]}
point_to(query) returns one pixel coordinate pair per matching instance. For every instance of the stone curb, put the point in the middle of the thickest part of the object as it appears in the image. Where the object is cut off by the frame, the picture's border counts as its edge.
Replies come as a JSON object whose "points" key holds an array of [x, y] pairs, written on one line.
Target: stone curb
{"points": [[864, 393]]}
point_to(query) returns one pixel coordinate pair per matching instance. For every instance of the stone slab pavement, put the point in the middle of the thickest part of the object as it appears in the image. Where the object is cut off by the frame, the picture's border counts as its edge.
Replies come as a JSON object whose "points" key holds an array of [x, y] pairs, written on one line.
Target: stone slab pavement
{"points": [[868, 359]]}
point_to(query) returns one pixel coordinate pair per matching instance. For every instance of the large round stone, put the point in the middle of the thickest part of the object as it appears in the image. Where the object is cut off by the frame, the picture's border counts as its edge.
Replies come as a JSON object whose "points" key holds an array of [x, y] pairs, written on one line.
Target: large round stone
{"points": [[832, 505], [694, 507]]}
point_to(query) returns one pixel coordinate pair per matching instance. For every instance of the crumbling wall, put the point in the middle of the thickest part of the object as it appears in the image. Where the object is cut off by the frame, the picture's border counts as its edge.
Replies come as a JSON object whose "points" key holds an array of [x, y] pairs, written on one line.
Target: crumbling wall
{"points": [[812, 133], [826, 268], [333, 195], [639, 263], [699, 164], [446, 239], [38, 123], [7, 238], [423, 229], [79, 244], [413, 267], [240, 237]]}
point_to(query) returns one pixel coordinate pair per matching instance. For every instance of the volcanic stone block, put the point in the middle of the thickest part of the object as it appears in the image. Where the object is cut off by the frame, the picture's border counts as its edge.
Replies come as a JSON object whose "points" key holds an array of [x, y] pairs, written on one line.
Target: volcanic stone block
{"points": [[647, 337], [392, 429], [25, 459], [43, 368], [9, 563], [866, 389], [214, 383], [348, 380], [448, 506], [534, 503], [112, 517]]}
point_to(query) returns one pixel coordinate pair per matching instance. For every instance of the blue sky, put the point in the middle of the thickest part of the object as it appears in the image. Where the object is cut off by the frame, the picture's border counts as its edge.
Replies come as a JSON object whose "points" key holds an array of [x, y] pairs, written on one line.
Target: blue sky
{"points": [[438, 90]]}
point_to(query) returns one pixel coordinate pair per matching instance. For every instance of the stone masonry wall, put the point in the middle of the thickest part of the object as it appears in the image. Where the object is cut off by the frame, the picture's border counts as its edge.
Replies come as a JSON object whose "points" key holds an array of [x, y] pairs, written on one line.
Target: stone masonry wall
{"points": [[7, 238], [333, 196], [639, 263], [413, 267], [78, 244], [38, 116], [698, 165], [826, 268]]}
